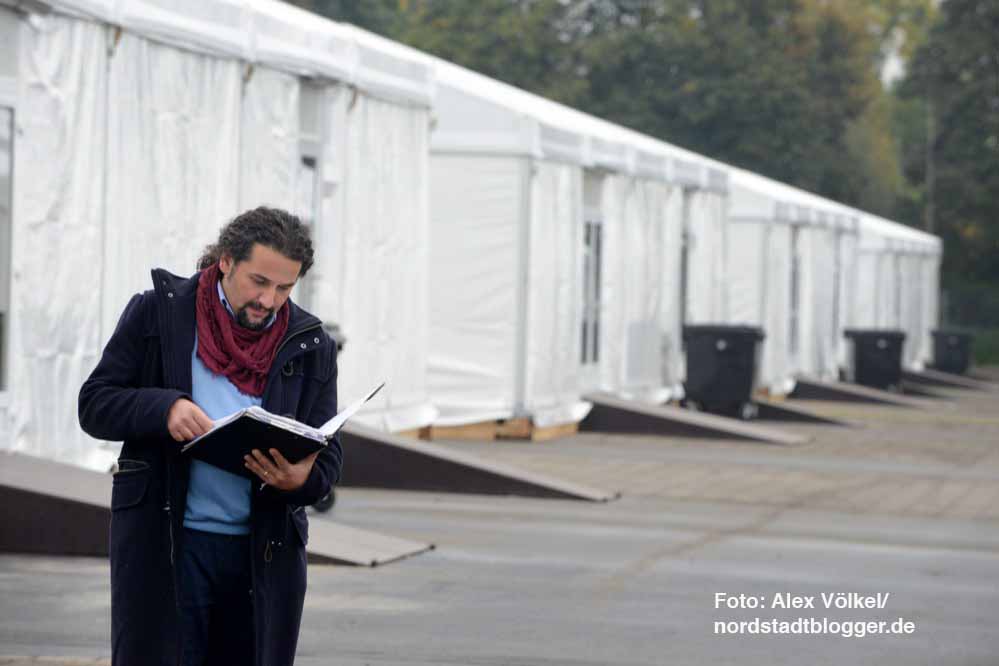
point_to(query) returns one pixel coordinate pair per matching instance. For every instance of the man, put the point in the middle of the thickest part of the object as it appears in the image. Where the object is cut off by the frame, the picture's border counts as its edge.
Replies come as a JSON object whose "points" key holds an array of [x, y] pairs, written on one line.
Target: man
{"points": [[207, 567]]}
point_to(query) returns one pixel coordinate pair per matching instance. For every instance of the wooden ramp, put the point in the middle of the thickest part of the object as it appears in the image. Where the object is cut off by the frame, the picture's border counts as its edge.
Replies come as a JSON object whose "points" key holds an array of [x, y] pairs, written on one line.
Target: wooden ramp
{"points": [[54, 509], [377, 459], [333, 543], [772, 410], [806, 389], [613, 414], [918, 390], [931, 377]]}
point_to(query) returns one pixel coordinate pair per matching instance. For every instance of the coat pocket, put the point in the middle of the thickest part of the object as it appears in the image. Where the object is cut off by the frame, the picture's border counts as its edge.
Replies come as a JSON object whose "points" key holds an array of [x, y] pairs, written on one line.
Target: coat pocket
{"points": [[301, 524], [129, 484]]}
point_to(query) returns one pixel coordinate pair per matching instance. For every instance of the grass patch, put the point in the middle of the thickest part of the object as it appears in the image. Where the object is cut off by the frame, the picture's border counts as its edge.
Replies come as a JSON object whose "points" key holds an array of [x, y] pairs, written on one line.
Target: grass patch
{"points": [[985, 348]]}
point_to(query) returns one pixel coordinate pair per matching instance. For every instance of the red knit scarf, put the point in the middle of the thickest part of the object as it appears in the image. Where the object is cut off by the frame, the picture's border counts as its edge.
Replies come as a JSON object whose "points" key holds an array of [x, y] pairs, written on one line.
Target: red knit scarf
{"points": [[226, 348]]}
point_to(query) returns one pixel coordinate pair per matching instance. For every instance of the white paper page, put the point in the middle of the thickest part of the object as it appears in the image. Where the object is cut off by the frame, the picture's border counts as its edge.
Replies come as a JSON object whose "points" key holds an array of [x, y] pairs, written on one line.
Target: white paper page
{"points": [[225, 420], [329, 428]]}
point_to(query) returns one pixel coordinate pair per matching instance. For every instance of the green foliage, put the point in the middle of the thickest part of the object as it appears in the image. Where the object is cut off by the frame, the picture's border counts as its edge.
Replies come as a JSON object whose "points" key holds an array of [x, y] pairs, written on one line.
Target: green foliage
{"points": [[985, 350], [527, 43], [381, 16], [956, 73]]}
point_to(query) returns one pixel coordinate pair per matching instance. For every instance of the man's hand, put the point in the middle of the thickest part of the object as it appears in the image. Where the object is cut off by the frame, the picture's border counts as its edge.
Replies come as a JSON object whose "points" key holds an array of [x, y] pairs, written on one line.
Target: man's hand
{"points": [[277, 471], [185, 421]]}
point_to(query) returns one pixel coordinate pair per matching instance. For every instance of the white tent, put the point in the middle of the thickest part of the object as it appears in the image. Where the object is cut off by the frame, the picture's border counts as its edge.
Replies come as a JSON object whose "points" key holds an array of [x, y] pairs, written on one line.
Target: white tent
{"points": [[143, 126], [555, 256], [898, 284], [790, 266]]}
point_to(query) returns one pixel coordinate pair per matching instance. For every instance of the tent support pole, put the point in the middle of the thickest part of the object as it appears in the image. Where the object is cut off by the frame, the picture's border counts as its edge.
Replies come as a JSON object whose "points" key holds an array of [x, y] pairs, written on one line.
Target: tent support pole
{"points": [[523, 271]]}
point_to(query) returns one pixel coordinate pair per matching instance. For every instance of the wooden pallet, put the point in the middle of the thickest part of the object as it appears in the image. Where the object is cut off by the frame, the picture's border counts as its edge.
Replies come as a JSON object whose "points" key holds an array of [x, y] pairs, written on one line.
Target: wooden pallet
{"points": [[483, 431], [765, 394], [488, 431]]}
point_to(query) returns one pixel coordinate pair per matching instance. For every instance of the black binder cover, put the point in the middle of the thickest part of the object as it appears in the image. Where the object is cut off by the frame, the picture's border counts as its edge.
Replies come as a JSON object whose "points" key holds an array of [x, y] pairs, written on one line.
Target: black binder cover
{"points": [[226, 447]]}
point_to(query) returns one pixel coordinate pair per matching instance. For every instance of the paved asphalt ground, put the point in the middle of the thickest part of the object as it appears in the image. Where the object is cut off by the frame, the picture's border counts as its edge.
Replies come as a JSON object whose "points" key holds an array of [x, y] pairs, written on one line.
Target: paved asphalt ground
{"points": [[905, 504]]}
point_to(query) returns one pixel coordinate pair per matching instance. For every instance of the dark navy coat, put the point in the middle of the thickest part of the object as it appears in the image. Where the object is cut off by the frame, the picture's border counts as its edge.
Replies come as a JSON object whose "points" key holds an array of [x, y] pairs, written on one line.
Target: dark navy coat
{"points": [[145, 368]]}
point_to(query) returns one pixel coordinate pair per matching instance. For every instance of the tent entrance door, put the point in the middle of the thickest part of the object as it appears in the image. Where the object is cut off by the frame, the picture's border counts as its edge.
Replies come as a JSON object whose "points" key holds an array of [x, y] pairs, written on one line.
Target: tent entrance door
{"points": [[794, 325], [590, 334]]}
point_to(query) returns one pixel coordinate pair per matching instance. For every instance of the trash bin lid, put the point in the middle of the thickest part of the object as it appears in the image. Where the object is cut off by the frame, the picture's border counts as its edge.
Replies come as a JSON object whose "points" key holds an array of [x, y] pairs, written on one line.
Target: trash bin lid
{"points": [[722, 329], [960, 335], [874, 332]]}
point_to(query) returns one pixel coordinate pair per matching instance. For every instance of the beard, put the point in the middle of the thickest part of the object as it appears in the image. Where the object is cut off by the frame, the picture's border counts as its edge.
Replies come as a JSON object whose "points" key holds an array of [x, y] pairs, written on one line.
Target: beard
{"points": [[243, 317]]}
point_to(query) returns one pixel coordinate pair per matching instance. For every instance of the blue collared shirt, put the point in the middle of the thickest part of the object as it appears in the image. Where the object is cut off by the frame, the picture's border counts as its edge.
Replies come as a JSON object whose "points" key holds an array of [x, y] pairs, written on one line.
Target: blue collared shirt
{"points": [[217, 501]]}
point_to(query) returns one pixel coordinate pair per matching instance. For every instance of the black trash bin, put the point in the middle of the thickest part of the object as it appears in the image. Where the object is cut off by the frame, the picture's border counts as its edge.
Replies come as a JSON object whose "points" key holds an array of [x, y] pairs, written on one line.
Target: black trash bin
{"points": [[952, 351], [876, 357], [721, 367]]}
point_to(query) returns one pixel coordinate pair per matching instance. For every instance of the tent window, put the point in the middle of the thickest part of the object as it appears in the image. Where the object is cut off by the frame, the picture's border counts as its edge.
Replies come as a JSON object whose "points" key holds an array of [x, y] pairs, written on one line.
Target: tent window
{"points": [[898, 292], [686, 241], [592, 248], [837, 276], [795, 290], [6, 205], [307, 177]]}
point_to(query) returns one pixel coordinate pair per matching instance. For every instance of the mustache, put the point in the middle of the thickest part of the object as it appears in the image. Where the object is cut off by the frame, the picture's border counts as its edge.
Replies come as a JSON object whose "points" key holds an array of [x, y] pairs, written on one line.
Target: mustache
{"points": [[257, 306]]}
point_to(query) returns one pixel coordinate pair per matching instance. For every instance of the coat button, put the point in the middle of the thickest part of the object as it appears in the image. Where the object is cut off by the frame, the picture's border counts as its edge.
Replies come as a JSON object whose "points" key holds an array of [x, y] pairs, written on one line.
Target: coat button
{"points": [[303, 345], [316, 340], [169, 294]]}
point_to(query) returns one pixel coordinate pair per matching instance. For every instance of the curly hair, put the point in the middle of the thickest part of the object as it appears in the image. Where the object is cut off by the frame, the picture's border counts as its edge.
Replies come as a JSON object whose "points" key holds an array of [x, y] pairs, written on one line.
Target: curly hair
{"points": [[275, 228]]}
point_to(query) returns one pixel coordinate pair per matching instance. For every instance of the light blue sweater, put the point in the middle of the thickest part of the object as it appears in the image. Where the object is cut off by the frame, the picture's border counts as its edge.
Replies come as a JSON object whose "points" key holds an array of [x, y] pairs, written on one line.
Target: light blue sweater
{"points": [[217, 501]]}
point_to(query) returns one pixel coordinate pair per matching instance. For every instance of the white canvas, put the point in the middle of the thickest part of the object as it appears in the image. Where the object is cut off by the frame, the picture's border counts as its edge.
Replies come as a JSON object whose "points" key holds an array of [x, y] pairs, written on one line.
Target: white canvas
{"points": [[57, 238]]}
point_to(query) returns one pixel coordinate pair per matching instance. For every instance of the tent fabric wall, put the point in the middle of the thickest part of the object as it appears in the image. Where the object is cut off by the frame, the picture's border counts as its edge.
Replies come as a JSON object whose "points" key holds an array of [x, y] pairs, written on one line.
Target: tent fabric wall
{"points": [[866, 305], [666, 203], [931, 305], [271, 34], [899, 284], [268, 145], [706, 262], [173, 143], [849, 292], [380, 296], [776, 365], [55, 323], [819, 334], [635, 275], [812, 272], [760, 294], [911, 309], [745, 272], [554, 296], [475, 244]]}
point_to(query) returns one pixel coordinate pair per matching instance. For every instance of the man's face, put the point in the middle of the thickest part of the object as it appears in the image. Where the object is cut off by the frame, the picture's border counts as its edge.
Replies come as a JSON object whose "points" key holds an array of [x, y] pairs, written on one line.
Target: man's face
{"points": [[257, 287]]}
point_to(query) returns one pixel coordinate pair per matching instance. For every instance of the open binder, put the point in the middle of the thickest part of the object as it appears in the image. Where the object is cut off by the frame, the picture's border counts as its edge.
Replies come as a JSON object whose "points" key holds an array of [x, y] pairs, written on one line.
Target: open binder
{"points": [[234, 436]]}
